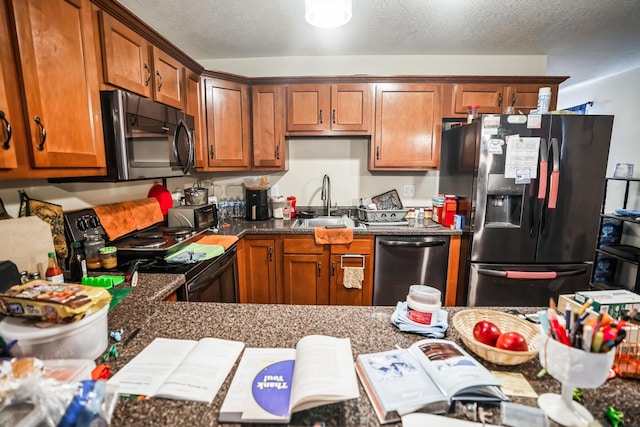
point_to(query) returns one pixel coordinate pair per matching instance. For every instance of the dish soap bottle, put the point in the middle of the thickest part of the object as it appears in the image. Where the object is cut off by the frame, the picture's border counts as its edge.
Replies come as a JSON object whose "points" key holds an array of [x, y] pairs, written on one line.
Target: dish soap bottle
{"points": [[53, 272]]}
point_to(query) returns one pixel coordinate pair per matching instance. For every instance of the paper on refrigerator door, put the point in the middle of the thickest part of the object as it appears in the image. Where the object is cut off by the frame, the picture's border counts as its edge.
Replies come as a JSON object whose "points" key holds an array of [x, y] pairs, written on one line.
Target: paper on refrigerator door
{"points": [[522, 157]]}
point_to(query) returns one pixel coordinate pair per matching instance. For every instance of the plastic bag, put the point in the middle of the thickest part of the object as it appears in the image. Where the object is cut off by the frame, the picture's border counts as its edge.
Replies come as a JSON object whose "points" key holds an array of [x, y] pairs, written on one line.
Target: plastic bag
{"points": [[27, 397]]}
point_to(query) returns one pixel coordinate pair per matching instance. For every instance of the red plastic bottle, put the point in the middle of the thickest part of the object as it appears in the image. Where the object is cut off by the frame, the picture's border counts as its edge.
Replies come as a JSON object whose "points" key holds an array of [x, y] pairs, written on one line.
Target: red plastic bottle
{"points": [[450, 207], [292, 201]]}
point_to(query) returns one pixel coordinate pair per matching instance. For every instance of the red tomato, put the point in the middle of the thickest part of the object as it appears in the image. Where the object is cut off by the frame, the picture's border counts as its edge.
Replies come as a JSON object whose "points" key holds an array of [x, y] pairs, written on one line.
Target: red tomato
{"points": [[486, 332], [513, 341]]}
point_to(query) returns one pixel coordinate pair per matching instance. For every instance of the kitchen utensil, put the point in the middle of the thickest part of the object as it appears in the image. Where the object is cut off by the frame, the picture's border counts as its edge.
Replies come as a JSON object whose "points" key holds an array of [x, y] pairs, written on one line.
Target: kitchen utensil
{"points": [[196, 195], [465, 320]]}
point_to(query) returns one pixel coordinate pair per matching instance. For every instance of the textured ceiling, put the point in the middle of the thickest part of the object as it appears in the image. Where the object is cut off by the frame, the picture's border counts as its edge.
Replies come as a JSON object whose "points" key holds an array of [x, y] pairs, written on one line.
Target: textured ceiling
{"points": [[584, 39]]}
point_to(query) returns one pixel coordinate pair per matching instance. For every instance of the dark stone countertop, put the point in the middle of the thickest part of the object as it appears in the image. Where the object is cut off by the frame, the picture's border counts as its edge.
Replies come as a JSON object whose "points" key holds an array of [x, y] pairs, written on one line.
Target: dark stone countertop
{"points": [[271, 325]]}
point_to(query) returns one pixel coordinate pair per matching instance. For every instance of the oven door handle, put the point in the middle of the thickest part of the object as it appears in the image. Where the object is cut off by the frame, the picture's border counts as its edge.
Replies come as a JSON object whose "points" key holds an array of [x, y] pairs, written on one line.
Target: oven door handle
{"points": [[408, 244], [220, 264]]}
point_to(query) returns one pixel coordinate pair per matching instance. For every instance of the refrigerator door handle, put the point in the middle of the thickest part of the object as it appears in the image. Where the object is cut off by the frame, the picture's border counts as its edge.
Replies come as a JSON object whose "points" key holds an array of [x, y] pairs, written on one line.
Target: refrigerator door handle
{"points": [[555, 175], [531, 275], [544, 169]]}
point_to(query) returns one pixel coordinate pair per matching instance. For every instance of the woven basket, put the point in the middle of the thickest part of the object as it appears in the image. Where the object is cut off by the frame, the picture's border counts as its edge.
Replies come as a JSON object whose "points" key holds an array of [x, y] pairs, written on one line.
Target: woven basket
{"points": [[465, 320]]}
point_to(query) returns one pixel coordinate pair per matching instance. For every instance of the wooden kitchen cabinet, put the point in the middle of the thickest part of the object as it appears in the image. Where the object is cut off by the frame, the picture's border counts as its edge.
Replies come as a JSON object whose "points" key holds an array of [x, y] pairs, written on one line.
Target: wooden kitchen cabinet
{"points": [[358, 253], [494, 98], [228, 130], [408, 124], [194, 107], [132, 63], [11, 119], [59, 89], [305, 271], [330, 108], [268, 112], [257, 261]]}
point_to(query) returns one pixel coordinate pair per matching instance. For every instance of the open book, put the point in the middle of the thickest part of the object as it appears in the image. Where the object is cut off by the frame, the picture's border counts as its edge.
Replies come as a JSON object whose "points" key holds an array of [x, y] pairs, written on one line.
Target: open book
{"points": [[272, 383], [426, 377], [179, 369]]}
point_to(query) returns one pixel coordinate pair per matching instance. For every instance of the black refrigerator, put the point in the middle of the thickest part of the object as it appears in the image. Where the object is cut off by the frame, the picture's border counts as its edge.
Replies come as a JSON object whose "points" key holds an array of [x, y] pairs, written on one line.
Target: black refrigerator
{"points": [[530, 188]]}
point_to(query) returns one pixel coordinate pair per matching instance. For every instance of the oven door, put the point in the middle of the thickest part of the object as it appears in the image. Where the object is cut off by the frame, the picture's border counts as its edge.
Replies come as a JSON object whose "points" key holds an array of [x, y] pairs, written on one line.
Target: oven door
{"points": [[216, 283]]}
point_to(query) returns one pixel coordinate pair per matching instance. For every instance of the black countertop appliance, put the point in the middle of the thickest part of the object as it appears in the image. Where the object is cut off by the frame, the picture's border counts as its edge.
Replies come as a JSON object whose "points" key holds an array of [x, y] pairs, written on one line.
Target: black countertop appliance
{"points": [[258, 207]]}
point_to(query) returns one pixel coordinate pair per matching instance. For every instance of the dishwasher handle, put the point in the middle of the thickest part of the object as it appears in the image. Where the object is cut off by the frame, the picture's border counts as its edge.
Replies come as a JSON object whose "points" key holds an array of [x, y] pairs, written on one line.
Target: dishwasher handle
{"points": [[409, 244], [533, 275]]}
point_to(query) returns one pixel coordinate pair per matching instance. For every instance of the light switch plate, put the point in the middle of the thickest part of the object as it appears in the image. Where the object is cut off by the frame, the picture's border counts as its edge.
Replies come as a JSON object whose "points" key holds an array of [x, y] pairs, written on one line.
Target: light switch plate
{"points": [[275, 190], [409, 190]]}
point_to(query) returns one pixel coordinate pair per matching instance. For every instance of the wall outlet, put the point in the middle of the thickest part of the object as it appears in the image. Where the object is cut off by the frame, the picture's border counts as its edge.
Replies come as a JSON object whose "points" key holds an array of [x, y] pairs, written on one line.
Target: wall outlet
{"points": [[409, 190]]}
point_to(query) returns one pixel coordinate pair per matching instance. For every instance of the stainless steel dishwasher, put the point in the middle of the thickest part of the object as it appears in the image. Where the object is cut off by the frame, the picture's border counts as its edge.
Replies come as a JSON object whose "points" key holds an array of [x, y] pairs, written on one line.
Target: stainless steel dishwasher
{"points": [[402, 261]]}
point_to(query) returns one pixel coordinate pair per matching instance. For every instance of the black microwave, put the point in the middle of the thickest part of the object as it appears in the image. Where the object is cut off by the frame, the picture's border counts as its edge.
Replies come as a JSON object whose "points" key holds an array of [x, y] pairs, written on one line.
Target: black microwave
{"points": [[143, 139]]}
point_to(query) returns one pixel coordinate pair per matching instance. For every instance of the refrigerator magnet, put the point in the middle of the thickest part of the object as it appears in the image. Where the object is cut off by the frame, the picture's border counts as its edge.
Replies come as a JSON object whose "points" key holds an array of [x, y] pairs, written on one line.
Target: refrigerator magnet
{"points": [[495, 146], [534, 121], [523, 176]]}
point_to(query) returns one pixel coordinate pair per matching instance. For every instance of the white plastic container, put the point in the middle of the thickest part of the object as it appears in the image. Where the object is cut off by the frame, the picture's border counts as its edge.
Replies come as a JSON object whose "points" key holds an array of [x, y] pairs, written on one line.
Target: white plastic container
{"points": [[544, 99], [423, 304], [84, 339]]}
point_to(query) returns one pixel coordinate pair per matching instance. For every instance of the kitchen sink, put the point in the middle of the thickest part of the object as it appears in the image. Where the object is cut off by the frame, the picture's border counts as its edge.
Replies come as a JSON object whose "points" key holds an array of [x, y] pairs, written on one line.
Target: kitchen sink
{"points": [[322, 221]]}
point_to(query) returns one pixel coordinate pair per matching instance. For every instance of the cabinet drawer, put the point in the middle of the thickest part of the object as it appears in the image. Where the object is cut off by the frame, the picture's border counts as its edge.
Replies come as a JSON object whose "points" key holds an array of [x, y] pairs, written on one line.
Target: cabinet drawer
{"points": [[358, 246], [302, 246]]}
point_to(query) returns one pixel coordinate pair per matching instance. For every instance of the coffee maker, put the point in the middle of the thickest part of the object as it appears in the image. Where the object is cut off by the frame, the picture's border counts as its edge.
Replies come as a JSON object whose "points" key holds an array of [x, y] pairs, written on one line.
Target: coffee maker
{"points": [[258, 206]]}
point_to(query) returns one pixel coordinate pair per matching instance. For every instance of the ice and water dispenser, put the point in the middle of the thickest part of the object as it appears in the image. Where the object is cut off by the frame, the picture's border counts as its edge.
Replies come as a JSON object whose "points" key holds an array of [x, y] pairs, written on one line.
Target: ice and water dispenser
{"points": [[504, 202]]}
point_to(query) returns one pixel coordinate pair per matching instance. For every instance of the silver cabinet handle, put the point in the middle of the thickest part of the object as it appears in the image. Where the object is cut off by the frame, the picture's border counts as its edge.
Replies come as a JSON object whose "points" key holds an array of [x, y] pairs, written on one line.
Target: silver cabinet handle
{"points": [[148, 79], [160, 82], [7, 127], [43, 132], [320, 116], [333, 116]]}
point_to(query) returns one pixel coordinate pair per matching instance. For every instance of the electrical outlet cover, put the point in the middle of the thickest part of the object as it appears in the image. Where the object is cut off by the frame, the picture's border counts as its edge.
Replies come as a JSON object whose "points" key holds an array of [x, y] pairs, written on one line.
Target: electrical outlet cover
{"points": [[408, 190]]}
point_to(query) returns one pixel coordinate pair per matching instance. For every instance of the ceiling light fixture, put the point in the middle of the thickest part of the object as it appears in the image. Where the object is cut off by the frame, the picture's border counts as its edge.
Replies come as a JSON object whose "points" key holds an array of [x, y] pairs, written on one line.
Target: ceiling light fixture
{"points": [[327, 13]]}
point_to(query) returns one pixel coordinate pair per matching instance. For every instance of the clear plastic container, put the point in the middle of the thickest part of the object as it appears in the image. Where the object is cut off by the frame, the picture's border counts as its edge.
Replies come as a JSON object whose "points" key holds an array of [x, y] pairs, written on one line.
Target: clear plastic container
{"points": [[423, 304], [109, 257]]}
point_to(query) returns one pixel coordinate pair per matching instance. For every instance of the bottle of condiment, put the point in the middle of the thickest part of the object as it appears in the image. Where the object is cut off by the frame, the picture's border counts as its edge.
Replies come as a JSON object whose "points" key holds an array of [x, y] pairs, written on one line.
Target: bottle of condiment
{"points": [[53, 272], [472, 113], [77, 263], [92, 247]]}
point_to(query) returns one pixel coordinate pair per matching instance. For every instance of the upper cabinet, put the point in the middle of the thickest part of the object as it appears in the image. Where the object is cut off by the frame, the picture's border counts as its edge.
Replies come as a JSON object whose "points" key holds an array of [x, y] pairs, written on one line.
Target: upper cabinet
{"points": [[335, 108], [408, 124], [132, 63], [227, 145], [268, 108], [10, 114], [59, 90], [494, 98], [194, 106]]}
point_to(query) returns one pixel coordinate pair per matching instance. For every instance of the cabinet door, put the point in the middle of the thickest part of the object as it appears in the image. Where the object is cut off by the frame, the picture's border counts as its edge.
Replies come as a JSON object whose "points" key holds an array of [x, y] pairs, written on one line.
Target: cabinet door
{"points": [[258, 272], [351, 107], [305, 279], [61, 85], [125, 56], [10, 115], [194, 107], [228, 144], [408, 126], [524, 97], [268, 127], [489, 97], [168, 79], [308, 107], [339, 294]]}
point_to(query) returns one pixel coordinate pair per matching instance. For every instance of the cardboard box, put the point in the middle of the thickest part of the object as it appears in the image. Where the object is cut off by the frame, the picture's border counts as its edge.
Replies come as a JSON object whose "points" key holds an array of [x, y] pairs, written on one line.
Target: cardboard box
{"points": [[613, 302]]}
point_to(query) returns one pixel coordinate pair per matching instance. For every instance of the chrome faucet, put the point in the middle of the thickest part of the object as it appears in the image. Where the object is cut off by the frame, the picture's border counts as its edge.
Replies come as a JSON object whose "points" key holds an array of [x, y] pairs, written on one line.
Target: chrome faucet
{"points": [[326, 193]]}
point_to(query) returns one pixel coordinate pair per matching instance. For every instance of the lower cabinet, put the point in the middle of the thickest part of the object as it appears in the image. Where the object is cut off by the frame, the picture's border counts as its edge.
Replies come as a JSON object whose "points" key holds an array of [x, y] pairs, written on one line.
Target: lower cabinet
{"points": [[295, 270], [257, 269]]}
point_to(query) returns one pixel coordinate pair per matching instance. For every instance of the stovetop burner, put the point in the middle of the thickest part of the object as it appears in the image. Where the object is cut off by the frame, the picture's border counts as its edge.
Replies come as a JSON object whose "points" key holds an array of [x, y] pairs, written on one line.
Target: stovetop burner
{"points": [[149, 242], [176, 231], [151, 234]]}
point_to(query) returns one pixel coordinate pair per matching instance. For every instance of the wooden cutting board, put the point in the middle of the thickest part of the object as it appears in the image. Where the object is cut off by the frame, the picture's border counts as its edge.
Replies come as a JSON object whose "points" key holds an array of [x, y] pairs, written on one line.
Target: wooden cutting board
{"points": [[26, 242]]}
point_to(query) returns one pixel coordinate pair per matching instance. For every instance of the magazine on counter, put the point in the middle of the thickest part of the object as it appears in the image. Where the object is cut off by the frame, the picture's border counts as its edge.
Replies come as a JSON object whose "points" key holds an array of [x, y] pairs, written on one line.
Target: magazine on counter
{"points": [[426, 377]]}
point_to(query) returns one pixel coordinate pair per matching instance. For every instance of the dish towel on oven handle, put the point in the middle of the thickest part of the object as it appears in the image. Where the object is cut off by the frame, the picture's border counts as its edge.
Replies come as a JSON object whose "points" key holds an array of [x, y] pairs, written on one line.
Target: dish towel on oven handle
{"points": [[401, 321], [195, 252]]}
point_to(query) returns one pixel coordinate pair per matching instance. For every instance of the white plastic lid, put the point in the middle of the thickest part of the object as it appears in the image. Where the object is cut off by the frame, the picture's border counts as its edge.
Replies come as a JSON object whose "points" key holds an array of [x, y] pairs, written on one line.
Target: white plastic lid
{"points": [[544, 91], [24, 329], [422, 294]]}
